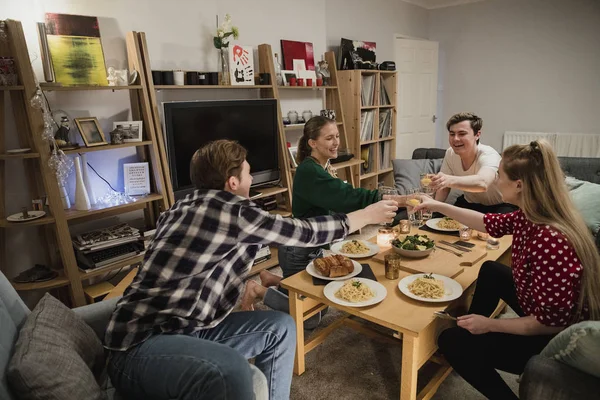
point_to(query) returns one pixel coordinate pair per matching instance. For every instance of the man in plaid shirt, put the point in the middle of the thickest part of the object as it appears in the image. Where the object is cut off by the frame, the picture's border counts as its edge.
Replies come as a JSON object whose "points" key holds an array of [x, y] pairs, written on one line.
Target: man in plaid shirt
{"points": [[172, 335]]}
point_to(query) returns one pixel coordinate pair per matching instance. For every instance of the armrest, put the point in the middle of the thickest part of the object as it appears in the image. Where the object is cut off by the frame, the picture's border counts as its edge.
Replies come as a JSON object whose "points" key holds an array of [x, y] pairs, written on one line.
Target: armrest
{"points": [[545, 378], [121, 286], [97, 315]]}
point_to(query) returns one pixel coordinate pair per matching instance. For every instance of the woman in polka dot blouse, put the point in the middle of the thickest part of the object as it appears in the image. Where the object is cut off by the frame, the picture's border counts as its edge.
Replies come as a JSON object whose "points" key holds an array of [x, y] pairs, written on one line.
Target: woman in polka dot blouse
{"points": [[554, 281]]}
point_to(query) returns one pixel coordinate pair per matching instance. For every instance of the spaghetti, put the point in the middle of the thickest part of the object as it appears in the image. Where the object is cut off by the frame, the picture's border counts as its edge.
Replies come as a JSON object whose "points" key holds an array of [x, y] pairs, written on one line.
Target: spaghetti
{"points": [[355, 291], [355, 247], [448, 223], [428, 287]]}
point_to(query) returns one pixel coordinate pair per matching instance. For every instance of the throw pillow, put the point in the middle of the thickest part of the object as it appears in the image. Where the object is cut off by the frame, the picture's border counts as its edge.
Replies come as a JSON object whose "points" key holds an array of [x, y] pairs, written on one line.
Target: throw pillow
{"points": [[57, 356], [577, 346], [585, 196]]}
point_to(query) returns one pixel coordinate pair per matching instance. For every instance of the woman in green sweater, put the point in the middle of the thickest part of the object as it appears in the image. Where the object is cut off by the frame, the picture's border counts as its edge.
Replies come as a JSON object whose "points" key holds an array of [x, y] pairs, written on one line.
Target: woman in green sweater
{"points": [[317, 191]]}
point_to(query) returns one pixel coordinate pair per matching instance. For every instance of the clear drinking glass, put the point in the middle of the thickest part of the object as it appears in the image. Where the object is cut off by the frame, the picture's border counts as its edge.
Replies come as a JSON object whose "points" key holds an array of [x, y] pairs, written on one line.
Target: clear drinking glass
{"points": [[386, 190], [425, 181], [414, 199]]}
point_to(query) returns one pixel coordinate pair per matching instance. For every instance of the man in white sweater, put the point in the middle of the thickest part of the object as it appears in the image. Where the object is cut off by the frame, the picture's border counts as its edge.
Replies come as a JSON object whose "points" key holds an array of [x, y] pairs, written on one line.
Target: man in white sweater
{"points": [[471, 167]]}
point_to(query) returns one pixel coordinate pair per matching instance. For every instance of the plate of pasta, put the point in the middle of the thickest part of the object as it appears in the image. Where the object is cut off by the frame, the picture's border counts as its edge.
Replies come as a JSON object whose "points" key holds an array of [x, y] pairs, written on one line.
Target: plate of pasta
{"points": [[431, 288], [355, 248], [355, 292], [443, 224]]}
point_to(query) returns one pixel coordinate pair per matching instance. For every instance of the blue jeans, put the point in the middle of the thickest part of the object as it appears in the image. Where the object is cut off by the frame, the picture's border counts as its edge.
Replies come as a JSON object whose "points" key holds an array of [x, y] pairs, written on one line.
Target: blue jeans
{"points": [[293, 260], [212, 363]]}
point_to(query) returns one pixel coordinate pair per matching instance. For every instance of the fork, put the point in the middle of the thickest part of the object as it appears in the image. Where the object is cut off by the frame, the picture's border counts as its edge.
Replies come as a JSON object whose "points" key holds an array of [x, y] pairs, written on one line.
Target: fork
{"points": [[456, 253], [456, 246]]}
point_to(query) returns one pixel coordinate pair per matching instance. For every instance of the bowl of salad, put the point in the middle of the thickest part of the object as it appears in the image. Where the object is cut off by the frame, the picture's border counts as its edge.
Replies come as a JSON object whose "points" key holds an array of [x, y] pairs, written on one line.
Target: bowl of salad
{"points": [[413, 246]]}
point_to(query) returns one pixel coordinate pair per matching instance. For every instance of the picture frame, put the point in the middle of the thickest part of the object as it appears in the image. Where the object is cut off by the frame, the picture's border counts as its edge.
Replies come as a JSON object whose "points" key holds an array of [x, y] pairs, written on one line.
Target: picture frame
{"points": [[133, 131], [137, 178], [241, 63], [299, 65], [90, 131], [293, 153], [287, 74]]}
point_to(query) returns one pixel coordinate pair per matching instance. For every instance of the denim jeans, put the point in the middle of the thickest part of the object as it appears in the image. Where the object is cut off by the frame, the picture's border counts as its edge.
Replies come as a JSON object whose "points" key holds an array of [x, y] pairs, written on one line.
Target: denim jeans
{"points": [[293, 260], [212, 363]]}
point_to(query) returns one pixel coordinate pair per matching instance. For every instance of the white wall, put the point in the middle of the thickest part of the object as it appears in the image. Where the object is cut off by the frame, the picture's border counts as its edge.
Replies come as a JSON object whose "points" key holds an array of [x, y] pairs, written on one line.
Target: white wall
{"points": [[179, 35], [525, 65]]}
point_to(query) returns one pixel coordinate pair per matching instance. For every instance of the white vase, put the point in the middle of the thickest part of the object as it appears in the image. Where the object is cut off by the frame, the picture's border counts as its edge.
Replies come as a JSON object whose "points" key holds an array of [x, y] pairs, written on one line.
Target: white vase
{"points": [[82, 201], [64, 196], [86, 180]]}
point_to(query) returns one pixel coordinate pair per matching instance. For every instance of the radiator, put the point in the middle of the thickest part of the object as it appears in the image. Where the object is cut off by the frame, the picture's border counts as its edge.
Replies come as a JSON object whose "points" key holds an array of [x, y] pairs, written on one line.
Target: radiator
{"points": [[565, 144]]}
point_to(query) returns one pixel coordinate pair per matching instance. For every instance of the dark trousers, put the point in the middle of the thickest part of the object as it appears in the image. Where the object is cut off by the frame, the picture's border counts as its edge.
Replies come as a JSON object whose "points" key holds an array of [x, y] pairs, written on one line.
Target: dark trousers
{"points": [[476, 357], [502, 208]]}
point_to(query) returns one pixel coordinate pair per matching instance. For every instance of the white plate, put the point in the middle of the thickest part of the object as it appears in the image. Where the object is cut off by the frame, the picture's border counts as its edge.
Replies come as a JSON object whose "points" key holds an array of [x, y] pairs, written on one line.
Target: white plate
{"points": [[378, 288], [312, 270], [337, 249], [433, 224], [17, 151], [32, 215], [452, 288]]}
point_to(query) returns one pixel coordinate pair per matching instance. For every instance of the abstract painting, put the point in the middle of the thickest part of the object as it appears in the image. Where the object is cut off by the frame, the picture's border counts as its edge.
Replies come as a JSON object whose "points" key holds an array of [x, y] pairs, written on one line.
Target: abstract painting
{"points": [[357, 54], [291, 50], [241, 61], [76, 49]]}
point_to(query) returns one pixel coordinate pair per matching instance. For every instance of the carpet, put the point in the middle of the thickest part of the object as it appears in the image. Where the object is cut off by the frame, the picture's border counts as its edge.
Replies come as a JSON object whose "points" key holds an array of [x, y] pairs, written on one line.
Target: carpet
{"points": [[352, 366]]}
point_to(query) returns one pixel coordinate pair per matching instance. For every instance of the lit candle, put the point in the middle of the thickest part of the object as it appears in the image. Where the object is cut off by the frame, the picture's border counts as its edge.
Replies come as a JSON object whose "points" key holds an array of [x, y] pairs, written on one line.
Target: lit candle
{"points": [[404, 226], [384, 237]]}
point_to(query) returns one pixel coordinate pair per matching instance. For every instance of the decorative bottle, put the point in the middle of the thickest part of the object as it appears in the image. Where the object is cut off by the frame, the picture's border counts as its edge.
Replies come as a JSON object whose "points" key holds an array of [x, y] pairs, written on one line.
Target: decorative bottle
{"points": [[278, 71], [82, 201], [86, 180]]}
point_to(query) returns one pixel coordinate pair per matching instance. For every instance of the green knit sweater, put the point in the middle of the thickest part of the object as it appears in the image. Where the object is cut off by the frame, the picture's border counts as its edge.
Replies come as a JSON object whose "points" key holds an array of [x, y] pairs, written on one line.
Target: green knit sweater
{"points": [[318, 193]]}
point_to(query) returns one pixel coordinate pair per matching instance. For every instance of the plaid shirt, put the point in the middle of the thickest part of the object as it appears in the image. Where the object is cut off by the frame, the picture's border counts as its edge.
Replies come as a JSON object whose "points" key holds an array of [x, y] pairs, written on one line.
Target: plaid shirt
{"points": [[194, 270]]}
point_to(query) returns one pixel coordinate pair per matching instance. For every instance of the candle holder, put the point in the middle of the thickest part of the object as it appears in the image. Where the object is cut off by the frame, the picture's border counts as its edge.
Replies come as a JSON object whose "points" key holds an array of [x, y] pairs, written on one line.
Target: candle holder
{"points": [[392, 265], [404, 225], [384, 237], [464, 232]]}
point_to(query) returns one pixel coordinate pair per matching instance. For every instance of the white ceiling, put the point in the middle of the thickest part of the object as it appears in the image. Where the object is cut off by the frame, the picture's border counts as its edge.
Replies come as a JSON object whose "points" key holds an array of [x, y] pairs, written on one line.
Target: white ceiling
{"points": [[431, 4]]}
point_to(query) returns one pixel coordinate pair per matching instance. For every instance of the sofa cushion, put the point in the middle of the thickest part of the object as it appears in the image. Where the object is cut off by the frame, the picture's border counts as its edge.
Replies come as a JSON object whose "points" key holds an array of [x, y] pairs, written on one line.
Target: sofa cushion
{"points": [[585, 196], [407, 175], [577, 346], [57, 356]]}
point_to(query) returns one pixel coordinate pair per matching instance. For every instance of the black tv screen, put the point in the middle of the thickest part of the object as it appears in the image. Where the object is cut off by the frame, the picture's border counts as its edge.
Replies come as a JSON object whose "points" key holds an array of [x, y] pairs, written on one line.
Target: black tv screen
{"points": [[191, 124]]}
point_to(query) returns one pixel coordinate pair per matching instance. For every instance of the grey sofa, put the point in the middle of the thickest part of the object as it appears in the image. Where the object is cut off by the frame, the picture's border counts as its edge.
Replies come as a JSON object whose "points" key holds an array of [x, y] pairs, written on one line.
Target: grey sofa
{"points": [[13, 313]]}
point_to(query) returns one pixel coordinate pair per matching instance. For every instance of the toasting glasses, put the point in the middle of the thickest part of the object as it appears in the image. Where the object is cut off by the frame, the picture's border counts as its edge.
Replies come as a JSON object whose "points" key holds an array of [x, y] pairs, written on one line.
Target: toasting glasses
{"points": [[386, 190], [414, 199]]}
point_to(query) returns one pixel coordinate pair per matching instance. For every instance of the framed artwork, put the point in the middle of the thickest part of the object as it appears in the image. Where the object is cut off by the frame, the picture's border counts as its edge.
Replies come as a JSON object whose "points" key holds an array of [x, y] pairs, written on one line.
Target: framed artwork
{"points": [[75, 49], [356, 54], [132, 130], [241, 65], [137, 178], [287, 75], [90, 131], [293, 152], [299, 65], [291, 50]]}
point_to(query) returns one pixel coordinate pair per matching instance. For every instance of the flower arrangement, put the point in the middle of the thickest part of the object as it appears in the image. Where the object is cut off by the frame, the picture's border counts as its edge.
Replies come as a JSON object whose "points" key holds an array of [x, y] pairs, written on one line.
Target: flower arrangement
{"points": [[224, 32]]}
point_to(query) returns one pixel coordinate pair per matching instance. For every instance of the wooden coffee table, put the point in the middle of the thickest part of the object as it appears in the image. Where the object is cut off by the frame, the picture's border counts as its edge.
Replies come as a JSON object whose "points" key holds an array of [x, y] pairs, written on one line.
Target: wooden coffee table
{"points": [[413, 322]]}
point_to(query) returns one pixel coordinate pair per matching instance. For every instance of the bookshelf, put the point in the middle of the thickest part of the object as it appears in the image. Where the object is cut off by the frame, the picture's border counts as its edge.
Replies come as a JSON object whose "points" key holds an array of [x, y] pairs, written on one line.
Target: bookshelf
{"points": [[369, 102], [54, 228]]}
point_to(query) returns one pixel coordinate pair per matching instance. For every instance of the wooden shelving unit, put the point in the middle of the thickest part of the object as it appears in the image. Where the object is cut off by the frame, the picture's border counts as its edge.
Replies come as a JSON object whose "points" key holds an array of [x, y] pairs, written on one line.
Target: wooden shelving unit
{"points": [[54, 228], [381, 148]]}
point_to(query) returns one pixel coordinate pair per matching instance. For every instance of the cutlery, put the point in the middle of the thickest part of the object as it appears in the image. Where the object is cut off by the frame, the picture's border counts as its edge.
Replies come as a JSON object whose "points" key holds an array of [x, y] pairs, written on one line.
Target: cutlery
{"points": [[444, 315], [456, 253], [456, 246]]}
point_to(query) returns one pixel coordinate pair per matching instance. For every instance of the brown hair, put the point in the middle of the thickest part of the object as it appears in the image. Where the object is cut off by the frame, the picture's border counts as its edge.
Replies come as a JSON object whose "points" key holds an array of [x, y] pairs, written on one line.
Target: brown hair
{"points": [[312, 130], [215, 162], [476, 122], [546, 201]]}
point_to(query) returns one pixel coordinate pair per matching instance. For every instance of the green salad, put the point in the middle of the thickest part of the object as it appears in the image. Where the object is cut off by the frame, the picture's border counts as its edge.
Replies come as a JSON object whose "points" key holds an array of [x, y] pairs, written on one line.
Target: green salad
{"points": [[414, 242]]}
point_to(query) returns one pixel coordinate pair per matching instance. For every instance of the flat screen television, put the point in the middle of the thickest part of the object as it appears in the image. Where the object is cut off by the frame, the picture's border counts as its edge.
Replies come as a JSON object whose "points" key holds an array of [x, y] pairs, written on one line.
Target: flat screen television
{"points": [[191, 124]]}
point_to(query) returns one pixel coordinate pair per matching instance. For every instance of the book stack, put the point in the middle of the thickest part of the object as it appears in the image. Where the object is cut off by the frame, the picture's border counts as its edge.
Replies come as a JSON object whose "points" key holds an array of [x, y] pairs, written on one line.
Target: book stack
{"points": [[106, 246], [367, 90], [384, 99], [385, 123], [366, 125]]}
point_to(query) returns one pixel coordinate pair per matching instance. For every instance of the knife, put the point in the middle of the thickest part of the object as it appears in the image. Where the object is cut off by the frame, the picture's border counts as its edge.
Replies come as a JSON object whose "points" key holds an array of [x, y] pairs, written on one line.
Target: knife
{"points": [[456, 246]]}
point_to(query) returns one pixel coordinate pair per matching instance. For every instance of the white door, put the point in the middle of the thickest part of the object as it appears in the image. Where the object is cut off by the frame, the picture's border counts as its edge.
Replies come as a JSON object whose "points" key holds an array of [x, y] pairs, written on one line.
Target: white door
{"points": [[417, 66]]}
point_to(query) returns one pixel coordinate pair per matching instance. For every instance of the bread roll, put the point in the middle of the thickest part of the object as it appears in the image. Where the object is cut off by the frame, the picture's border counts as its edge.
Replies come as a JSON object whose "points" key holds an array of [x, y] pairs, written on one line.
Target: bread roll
{"points": [[321, 266]]}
